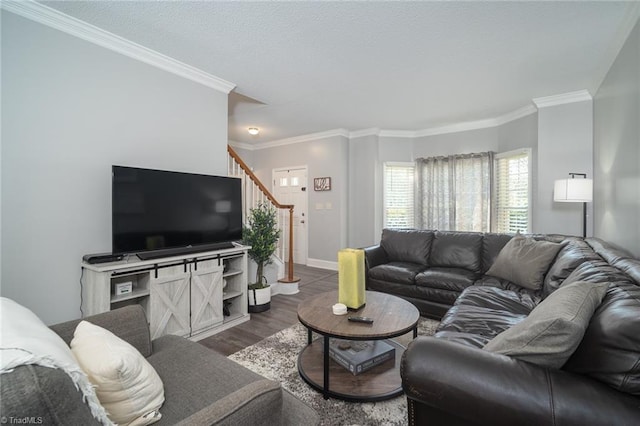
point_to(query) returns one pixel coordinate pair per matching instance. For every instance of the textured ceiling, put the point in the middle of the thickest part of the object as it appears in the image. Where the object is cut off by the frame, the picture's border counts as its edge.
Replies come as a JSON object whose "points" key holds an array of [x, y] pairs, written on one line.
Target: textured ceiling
{"points": [[307, 67]]}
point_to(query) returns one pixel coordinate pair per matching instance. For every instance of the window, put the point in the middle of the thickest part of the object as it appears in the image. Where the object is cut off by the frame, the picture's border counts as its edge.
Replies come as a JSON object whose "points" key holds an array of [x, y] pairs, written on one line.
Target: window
{"points": [[398, 195], [512, 190], [454, 192]]}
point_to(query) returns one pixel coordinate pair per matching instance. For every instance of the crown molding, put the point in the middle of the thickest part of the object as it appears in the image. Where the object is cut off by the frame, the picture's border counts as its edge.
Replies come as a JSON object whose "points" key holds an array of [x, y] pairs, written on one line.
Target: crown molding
{"points": [[453, 128], [55, 19], [364, 132], [241, 145], [304, 138], [398, 133], [563, 98]]}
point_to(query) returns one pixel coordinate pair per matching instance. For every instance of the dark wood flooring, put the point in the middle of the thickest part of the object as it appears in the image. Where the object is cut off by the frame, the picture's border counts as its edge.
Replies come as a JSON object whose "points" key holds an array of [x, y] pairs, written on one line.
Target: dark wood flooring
{"points": [[283, 313]]}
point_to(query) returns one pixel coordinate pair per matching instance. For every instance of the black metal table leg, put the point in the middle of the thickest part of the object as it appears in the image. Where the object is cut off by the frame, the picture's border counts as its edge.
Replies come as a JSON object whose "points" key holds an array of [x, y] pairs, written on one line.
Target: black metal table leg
{"points": [[309, 336], [415, 332], [326, 368]]}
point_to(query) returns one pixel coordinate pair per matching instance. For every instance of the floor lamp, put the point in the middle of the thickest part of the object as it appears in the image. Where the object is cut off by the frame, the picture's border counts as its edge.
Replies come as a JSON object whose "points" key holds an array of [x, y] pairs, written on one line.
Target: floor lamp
{"points": [[575, 191]]}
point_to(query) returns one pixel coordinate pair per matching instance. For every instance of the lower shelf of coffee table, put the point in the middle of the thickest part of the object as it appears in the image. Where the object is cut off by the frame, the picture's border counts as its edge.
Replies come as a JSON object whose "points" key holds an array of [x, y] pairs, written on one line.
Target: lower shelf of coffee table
{"points": [[380, 383]]}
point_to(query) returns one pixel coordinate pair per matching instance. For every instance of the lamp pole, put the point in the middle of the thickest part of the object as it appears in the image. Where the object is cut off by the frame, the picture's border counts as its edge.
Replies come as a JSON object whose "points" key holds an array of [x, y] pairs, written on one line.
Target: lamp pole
{"points": [[584, 206]]}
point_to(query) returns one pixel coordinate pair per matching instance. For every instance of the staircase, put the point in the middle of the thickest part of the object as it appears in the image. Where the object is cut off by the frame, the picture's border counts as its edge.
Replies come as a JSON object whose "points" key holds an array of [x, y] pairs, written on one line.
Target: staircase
{"points": [[255, 193]]}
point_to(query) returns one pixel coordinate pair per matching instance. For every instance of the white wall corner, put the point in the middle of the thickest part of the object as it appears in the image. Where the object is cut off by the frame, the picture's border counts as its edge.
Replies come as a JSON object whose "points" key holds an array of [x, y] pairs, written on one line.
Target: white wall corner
{"points": [[53, 18]]}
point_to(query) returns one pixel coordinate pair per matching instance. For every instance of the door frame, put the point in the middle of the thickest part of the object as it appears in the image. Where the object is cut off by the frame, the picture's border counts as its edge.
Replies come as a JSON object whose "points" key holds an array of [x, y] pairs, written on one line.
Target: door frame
{"points": [[306, 207]]}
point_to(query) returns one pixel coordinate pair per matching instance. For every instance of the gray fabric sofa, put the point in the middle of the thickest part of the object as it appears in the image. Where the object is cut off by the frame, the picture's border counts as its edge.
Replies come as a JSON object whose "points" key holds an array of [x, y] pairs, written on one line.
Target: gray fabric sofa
{"points": [[201, 386]]}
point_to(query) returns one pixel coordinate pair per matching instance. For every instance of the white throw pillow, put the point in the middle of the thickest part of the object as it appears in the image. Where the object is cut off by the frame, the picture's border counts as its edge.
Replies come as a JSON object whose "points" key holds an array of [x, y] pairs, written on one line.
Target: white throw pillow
{"points": [[127, 386]]}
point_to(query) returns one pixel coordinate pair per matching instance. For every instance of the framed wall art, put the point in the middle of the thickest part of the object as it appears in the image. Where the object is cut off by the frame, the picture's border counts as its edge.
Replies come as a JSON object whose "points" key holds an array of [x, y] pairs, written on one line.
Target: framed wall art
{"points": [[322, 184]]}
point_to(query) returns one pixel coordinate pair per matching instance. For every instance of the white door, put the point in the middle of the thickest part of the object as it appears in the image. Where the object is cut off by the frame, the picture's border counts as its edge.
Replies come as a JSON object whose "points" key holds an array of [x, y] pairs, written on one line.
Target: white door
{"points": [[290, 187]]}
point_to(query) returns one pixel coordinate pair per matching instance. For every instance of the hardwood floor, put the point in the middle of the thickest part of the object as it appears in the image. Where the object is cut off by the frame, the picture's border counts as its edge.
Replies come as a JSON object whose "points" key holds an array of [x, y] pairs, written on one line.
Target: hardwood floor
{"points": [[283, 313]]}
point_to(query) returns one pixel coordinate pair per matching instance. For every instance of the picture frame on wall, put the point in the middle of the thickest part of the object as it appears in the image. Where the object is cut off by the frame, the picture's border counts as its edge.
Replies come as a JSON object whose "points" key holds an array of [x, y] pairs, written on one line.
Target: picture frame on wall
{"points": [[322, 184]]}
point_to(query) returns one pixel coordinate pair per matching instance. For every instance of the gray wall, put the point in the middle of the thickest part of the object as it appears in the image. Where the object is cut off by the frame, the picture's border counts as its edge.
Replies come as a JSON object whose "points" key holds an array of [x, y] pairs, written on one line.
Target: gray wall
{"points": [[617, 149], [363, 164], [565, 145], [327, 228], [70, 110]]}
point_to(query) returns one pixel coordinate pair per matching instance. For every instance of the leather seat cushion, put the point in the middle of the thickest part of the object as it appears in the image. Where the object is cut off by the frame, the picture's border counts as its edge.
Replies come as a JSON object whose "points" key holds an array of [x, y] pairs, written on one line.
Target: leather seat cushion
{"points": [[481, 313], [398, 272], [452, 279], [439, 295], [529, 298]]}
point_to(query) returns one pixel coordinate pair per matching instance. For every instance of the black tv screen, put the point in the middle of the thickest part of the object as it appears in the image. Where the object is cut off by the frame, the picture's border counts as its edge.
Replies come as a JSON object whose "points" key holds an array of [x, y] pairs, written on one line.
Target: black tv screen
{"points": [[159, 210]]}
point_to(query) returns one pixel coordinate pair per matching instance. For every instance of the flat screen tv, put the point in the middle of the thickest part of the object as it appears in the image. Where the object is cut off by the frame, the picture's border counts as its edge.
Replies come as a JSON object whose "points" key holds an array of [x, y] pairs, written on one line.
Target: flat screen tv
{"points": [[157, 213]]}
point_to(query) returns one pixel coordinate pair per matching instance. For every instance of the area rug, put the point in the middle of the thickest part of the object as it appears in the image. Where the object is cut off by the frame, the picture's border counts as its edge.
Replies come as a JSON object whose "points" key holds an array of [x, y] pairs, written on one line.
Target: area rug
{"points": [[275, 358]]}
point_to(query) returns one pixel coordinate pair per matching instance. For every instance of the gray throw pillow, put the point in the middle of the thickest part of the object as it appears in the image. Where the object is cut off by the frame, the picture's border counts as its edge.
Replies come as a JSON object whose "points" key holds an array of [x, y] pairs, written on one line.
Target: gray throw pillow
{"points": [[524, 261], [554, 329]]}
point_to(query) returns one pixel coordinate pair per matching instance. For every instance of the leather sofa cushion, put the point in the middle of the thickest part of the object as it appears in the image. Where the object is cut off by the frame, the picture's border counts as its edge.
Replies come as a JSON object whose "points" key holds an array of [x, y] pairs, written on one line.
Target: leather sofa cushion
{"points": [[447, 297], [491, 246], [453, 279], [531, 297], [481, 313], [553, 330], [407, 245], [574, 252], [398, 272], [525, 261], [610, 348], [457, 250], [397, 289]]}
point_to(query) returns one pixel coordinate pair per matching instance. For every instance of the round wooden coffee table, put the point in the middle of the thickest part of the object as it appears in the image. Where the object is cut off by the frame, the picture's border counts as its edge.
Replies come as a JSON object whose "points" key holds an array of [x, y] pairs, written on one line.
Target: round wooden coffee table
{"points": [[392, 317]]}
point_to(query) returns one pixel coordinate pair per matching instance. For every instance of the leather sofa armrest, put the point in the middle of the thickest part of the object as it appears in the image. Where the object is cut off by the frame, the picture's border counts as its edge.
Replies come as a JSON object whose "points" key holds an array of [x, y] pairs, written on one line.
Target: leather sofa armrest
{"points": [[474, 386], [128, 323], [374, 256]]}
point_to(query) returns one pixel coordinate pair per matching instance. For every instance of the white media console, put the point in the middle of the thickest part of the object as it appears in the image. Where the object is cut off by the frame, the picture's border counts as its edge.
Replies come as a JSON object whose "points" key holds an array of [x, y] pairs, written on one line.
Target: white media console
{"points": [[193, 295]]}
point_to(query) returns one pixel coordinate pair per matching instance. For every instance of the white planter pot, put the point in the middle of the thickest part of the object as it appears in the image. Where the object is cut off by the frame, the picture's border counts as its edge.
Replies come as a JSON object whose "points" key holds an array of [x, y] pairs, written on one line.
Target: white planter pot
{"points": [[259, 300]]}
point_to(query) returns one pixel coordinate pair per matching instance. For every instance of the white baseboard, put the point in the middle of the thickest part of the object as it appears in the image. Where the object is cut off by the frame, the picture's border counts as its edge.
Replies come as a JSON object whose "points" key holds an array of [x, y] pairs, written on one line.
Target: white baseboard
{"points": [[284, 288], [322, 264]]}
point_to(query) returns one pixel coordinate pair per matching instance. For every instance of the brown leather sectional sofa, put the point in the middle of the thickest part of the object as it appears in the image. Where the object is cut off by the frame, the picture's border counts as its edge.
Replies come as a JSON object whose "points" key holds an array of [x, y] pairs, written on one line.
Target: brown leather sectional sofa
{"points": [[449, 379]]}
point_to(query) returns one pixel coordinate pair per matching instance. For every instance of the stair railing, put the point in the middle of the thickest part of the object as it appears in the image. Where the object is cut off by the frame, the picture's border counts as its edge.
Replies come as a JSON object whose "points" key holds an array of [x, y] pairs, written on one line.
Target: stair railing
{"points": [[255, 193]]}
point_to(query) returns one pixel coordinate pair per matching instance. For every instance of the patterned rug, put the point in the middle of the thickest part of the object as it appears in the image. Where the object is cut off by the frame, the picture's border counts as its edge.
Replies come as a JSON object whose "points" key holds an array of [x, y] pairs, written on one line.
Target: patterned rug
{"points": [[275, 358]]}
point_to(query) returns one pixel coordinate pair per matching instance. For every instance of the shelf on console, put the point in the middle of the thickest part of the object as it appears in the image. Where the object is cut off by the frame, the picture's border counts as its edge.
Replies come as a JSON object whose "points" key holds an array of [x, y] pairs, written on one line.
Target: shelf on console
{"points": [[232, 272], [230, 294], [133, 295]]}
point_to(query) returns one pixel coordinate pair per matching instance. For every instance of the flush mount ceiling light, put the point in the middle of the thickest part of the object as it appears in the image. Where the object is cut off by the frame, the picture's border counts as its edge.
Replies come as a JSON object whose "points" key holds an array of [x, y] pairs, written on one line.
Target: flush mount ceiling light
{"points": [[253, 130]]}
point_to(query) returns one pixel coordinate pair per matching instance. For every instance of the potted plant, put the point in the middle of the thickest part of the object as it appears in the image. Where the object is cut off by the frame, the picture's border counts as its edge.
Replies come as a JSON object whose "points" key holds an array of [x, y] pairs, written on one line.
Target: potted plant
{"points": [[261, 233]]}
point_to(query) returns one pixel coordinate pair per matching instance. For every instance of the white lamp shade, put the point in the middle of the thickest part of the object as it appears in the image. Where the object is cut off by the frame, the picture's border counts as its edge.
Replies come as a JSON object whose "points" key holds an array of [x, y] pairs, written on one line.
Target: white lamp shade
{"points": [[573, 190]]}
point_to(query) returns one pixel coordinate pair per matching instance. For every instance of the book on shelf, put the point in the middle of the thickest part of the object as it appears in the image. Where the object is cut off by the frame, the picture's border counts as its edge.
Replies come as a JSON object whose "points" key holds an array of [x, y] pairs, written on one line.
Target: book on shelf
{"points": [[359, 356]]}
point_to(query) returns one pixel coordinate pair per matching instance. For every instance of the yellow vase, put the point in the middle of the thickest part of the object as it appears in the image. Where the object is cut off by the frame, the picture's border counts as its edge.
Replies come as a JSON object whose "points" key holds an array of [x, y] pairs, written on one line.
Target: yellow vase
{"points": [[351, 291]]}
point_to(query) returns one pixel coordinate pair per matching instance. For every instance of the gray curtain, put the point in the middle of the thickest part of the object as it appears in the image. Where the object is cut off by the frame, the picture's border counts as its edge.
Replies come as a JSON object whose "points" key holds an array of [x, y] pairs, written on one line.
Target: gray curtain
{"points": [[453, 193]]}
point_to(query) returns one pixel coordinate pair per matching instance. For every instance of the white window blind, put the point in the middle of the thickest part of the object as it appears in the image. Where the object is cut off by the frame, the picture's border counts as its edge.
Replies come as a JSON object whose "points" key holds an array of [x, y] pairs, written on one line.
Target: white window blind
{"points": [[512, 190], [398, 195]]}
